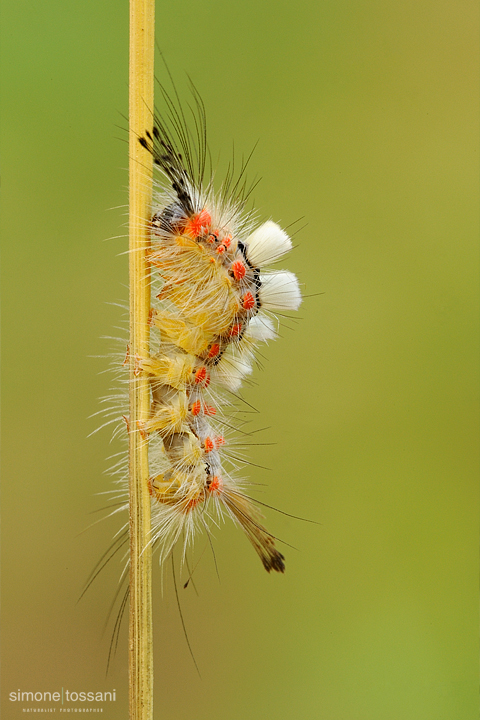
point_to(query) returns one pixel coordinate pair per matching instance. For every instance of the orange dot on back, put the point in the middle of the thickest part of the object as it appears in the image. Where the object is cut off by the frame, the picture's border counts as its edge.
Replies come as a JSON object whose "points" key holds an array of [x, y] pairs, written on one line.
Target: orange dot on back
{"points": [[199, 223], [238, 269]]}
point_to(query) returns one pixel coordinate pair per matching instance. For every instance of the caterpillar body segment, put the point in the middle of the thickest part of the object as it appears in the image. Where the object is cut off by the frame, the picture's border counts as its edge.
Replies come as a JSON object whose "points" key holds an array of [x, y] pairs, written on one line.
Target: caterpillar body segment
{"points": [[212, 306]]}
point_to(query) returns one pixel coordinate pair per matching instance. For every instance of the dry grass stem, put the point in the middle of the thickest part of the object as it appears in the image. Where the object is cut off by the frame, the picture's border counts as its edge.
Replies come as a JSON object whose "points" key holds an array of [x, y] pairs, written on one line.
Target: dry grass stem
{"points": [[141, 81]]}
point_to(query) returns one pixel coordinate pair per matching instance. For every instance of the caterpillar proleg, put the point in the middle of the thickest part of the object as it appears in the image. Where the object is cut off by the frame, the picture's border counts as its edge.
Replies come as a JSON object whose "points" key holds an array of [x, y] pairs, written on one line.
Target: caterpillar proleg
{"points": [[213, 302]]}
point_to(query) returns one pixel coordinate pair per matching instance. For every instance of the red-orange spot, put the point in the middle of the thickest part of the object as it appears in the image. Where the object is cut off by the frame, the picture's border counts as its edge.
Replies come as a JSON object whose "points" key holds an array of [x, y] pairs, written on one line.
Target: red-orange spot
{"points": [[227, 241], [216, 485], [196, 407], [213, 237], [207, 381], [209, 445], [196, 225], [238, 269], [219, 441], [221, 249], [235, 330], [200, 375], [214, 350], [209, 410], [192, 503], [248, 301]]}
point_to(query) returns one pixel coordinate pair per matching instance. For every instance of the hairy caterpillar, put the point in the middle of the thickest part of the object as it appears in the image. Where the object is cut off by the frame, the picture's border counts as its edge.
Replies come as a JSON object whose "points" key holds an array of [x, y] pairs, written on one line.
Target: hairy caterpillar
{"points": [[213, 302]]}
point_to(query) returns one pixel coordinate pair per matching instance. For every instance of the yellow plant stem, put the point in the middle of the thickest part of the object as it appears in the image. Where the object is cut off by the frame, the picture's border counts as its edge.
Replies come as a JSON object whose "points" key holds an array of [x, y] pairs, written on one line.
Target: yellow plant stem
{"points": [[141, 81]]}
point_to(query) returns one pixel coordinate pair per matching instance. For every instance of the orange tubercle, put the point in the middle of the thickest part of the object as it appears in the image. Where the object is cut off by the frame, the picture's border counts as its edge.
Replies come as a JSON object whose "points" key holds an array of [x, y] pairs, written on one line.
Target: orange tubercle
{"points": [[209, 410], [238, 269], [192, 503], [248, 301], [198, 223], [209, 445], [196, 407], [216, 485], [214, 350], [200, 375], [235, 330]]}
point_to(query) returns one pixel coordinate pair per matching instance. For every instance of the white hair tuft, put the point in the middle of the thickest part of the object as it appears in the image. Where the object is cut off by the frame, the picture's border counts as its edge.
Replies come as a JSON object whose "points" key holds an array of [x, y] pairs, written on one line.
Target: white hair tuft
{"points": [[267, 243], [280, 291]]}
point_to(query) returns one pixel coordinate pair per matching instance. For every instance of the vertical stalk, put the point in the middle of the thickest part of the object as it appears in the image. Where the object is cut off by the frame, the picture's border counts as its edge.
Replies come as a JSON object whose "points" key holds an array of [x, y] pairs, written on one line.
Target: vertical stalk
{"points": [[141, 80]]}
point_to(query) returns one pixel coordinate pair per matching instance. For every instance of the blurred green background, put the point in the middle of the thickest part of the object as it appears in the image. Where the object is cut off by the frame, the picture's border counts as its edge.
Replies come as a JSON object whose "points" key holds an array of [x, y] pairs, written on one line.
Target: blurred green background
{"points": [[366, 113]]}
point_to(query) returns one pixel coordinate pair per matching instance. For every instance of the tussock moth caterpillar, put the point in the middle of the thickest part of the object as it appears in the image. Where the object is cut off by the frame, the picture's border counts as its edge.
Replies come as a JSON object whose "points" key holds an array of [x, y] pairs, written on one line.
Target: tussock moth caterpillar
{"points": [[213, 302]]}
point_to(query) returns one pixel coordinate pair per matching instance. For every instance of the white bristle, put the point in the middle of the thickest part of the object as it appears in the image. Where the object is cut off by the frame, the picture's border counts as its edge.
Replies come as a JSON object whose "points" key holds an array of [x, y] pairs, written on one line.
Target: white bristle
{"points": [[261, 328], [280, 291], [267, 243]]}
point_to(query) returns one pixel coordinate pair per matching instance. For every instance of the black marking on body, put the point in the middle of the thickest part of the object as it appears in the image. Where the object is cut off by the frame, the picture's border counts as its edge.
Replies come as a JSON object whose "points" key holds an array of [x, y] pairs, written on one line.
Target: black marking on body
{"points": [[169, 218], [243, 249], [258, 285]]}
